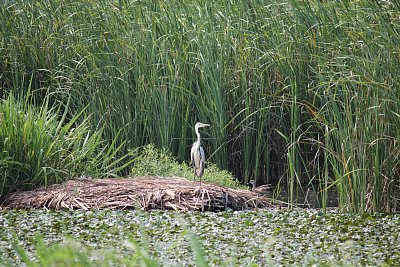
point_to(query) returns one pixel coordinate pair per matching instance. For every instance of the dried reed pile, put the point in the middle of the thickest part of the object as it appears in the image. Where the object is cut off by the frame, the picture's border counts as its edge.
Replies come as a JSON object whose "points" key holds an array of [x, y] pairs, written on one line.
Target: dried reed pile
{"points": [[130, 193]]}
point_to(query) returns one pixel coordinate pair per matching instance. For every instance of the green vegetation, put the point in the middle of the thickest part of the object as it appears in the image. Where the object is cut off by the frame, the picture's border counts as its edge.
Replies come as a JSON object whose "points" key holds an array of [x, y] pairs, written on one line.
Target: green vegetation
{"points": [[301, 92], [39, 148], [72, 253], [152, 161], [160, 238]]}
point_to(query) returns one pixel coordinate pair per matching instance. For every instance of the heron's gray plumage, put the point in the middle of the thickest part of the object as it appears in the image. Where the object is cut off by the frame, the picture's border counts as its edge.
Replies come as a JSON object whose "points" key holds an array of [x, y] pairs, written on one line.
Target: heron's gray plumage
{"points": [[198, 158]]}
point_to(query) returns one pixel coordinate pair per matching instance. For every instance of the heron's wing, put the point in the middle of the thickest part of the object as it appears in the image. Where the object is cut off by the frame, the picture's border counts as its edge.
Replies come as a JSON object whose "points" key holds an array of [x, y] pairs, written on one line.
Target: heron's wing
{"points": [[202, 158], [200, 162], [197, 157]]}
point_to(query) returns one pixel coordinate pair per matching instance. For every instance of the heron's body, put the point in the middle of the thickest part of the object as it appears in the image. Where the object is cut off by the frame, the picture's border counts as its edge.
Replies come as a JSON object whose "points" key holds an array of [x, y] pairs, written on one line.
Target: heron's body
{"points": [[197, 155], [198, 158]]}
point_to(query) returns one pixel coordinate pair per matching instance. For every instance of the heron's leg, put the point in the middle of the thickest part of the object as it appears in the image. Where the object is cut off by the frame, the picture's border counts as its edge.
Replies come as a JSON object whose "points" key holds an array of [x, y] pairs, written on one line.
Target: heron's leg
{"points": [[200, 181]]}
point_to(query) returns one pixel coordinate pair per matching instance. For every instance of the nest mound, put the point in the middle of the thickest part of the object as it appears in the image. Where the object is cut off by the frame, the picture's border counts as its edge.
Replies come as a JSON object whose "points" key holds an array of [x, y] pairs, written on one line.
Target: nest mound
{"points": [[144, 193]]}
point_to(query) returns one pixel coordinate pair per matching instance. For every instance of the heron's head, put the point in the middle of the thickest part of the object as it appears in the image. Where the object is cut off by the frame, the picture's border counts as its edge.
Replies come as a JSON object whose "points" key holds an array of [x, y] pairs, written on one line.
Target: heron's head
{"points": [[200, 125], [251, 184]]}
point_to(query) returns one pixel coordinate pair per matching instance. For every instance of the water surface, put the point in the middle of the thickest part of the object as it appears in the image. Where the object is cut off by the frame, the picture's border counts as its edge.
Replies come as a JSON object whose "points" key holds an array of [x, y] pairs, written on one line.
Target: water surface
{"points": [[264, 238]]}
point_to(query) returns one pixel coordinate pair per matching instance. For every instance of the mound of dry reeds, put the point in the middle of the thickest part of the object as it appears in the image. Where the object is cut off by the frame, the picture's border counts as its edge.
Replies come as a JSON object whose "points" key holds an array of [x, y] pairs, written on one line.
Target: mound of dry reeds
{"points": [[130, 193]]}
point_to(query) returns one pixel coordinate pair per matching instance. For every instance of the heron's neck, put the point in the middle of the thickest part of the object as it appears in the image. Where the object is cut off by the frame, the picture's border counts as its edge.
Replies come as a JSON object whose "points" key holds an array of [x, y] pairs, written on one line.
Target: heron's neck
{"points": [[253, 185], [198, 135]]}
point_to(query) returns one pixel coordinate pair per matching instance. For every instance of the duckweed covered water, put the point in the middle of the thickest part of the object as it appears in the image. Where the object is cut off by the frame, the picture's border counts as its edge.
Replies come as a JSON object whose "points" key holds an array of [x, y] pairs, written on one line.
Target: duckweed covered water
{"points": [[259, 238]]}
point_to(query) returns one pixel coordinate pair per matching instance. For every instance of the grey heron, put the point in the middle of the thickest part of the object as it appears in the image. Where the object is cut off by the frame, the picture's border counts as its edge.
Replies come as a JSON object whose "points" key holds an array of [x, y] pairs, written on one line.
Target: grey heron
{"points": [[197, 155], [259, 189]]}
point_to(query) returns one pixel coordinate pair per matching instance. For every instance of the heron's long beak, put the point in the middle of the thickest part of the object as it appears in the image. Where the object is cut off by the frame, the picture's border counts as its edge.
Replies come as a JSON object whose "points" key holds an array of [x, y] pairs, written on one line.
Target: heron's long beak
{"points": [[203, 125]]}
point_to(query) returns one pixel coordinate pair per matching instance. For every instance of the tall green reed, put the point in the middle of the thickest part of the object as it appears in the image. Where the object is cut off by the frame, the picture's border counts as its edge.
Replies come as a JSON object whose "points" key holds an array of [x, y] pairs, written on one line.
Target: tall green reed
{"points": [[40, 147], [287, 85]]}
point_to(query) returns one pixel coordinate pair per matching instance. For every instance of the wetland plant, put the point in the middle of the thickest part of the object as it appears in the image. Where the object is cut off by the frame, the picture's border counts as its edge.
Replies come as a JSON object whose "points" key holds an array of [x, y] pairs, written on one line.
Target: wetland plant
{"points": [[298, 92], [41, 146]]}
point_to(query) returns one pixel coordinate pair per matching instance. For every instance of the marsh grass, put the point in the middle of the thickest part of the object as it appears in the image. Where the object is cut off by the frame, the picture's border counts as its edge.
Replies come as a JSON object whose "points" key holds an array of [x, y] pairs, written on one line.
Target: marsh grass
{"points": [[41, 148], [73, 253], [301, 92]]}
